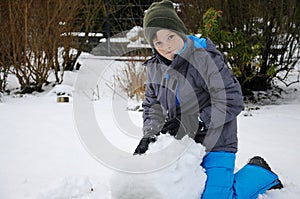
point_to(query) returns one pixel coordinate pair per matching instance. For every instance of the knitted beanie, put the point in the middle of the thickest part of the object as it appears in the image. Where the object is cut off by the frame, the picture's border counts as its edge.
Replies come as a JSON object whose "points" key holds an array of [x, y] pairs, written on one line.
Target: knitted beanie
{"points": [[162, 15]]}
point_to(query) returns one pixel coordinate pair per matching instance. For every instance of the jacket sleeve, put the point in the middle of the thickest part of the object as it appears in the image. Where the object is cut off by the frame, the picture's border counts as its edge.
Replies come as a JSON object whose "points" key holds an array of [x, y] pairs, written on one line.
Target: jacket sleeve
{"points": [[224, 90], [153, 117]]}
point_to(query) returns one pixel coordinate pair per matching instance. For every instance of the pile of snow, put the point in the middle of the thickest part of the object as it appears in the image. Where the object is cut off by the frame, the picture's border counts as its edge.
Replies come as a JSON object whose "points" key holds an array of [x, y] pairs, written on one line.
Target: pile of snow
{"points": [[136, 38], [134, 33], [62, 90], [185, 178]]}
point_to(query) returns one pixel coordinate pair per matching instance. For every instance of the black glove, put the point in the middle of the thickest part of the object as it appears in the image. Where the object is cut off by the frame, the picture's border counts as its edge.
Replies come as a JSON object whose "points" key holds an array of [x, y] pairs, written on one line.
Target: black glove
{"points": [[171, 126], [143, 145], [201, 132]]}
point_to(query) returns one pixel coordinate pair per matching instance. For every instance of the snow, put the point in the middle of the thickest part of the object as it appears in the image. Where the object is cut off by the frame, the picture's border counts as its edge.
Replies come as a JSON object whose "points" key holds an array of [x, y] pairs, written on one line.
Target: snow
{"points": [[43, 153], [174, 181], [134, 32], [135, 38], [70, 187]]}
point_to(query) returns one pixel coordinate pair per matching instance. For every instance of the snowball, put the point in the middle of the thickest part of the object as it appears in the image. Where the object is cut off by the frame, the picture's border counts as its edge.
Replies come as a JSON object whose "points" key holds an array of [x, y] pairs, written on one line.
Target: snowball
{"points": [[185, 178]]}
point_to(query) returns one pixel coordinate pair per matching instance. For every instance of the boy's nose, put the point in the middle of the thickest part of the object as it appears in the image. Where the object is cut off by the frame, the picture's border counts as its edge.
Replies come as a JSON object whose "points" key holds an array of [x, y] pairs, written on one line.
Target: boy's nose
{"points": [[168, 47]]}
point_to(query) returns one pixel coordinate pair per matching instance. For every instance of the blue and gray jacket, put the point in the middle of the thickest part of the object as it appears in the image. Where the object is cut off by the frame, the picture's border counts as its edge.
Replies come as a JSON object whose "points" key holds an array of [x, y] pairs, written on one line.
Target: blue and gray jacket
{"points": [[197, 84]]}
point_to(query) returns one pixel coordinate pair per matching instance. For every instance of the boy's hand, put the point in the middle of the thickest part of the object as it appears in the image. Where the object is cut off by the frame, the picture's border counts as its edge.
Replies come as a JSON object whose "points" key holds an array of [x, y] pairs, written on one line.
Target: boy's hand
{"points": [[143, 145], [171, 127]]}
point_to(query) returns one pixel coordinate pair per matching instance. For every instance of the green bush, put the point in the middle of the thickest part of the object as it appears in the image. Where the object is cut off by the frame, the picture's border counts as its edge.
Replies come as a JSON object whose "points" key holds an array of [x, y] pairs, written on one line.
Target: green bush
{"points": [[258, 48]]}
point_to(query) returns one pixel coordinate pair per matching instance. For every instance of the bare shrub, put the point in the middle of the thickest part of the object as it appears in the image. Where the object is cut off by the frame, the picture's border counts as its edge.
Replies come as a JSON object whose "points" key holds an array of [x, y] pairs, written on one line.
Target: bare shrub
{"points": [[33, 32], [3, 78], [131, 79]]}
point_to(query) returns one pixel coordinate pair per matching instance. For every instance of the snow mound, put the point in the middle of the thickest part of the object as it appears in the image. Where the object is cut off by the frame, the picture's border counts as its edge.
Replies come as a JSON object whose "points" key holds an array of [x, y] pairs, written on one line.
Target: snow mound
{"points": [[61, 90], [185, 178], [68, 187], [134, 33]]}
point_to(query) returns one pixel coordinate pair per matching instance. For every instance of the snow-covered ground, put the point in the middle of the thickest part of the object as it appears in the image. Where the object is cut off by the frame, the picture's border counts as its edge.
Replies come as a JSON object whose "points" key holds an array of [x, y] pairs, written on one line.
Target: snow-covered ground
{"points": [[44, 154]]}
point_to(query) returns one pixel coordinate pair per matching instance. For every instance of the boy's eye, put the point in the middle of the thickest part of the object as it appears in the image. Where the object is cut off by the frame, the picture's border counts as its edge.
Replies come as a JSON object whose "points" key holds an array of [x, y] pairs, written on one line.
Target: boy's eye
{"points": [[171, 37], [158, 43]]}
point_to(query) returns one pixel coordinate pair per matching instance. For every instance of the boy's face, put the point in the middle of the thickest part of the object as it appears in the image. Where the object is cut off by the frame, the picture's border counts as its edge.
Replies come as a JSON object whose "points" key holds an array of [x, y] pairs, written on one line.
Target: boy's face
{"points": [[167, 43]]}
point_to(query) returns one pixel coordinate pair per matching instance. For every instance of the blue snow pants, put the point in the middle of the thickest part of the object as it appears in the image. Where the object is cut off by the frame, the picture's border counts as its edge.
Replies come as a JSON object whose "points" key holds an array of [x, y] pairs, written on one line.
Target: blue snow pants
{"points": [[222, 183]]}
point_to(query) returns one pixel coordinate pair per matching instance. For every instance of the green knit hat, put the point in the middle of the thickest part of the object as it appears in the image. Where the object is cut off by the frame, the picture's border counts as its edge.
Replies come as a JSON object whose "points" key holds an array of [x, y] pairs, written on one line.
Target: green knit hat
{"points": [[162, 15]]}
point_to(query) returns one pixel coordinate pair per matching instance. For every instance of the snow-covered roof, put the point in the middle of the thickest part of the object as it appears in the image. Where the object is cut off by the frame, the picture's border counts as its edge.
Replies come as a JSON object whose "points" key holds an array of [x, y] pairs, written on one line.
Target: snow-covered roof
{"points": [[82, 34]]}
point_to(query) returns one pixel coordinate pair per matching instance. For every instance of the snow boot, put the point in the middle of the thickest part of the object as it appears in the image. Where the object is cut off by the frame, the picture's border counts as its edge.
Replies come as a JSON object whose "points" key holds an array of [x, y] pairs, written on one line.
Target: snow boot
{"points": [[259, 161], [254, 178]]}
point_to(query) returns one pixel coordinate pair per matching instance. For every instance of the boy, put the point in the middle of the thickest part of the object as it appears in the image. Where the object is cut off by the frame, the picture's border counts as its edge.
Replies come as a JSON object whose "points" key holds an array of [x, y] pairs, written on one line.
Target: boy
{"points": [[191, 91]]}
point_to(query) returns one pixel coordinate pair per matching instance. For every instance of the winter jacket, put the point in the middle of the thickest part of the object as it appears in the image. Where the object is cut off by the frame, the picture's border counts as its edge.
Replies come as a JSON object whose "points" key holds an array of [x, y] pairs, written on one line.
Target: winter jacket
{"points": [[197, 84]]}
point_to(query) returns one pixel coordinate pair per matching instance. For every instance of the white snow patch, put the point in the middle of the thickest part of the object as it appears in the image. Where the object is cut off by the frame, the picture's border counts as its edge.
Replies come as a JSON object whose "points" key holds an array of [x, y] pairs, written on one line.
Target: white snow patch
{"points": [[68, 187], [185, 178]]}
